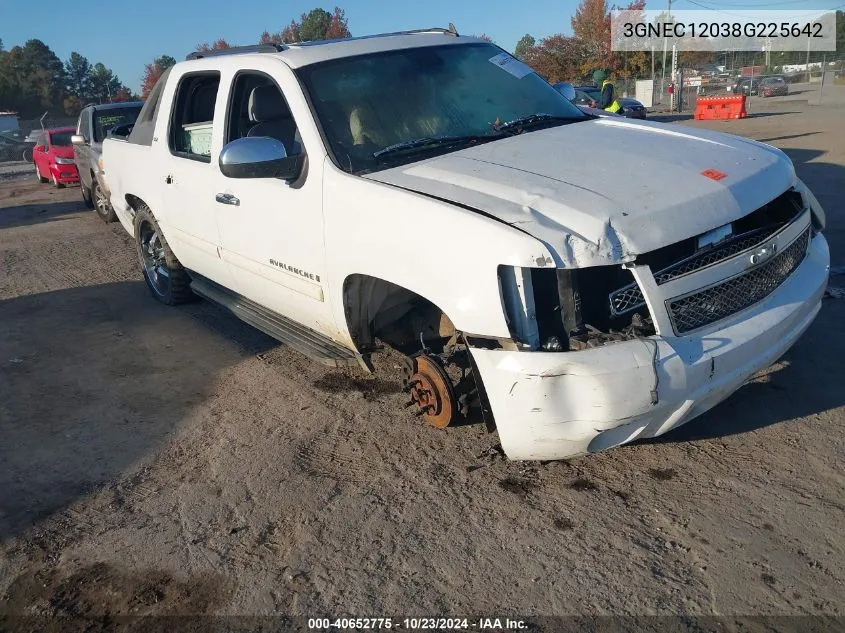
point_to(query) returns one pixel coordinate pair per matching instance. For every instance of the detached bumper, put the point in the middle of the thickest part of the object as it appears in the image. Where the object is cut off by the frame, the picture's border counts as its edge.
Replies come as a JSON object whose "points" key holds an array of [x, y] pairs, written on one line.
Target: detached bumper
{"points": [[558, 405]]}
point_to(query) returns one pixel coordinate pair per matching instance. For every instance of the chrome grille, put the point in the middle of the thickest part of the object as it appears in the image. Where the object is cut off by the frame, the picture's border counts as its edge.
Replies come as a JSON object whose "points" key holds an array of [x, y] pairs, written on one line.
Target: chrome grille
{"points": [[630, 297], [717, 302], [718, 253], [625, 299]]}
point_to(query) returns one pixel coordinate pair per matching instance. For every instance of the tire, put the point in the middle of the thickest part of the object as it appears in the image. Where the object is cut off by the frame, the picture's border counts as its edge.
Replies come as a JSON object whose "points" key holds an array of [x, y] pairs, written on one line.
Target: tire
{"points": [[102, 205], [57, 184], [38, 175], [167, 280], [86, 195]]}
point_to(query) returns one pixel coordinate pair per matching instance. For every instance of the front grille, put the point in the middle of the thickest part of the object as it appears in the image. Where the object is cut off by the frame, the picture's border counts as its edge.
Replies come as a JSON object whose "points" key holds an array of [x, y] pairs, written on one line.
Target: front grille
{"points": [[729, 297], [630, 297]]}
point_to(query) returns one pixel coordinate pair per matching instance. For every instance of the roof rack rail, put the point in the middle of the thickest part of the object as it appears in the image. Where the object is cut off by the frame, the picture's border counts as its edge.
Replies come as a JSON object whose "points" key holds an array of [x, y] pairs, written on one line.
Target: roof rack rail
{"points": [[254, 48], [450, 31]]}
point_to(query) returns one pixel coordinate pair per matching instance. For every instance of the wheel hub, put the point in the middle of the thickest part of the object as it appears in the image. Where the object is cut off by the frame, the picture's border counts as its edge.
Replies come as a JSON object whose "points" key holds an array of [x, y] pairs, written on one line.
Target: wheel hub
{"points": [[431, 392]]}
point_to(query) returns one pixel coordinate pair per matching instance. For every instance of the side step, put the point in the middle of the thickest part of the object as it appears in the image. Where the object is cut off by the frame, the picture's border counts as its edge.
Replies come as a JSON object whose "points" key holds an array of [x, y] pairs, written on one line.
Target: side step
{"points": [[303, 339]]}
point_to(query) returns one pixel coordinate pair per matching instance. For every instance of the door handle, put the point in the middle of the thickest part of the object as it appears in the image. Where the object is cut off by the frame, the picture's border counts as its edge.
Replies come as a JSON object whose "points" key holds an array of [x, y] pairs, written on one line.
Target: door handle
{"points": [[227, 198]]}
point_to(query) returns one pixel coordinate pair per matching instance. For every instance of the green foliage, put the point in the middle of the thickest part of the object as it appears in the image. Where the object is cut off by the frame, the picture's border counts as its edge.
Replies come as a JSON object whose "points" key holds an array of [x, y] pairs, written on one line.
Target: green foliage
{"points": [[525, 43], [78, 77], [317, 24], [32, 79], [314, 25], [164, 62]]}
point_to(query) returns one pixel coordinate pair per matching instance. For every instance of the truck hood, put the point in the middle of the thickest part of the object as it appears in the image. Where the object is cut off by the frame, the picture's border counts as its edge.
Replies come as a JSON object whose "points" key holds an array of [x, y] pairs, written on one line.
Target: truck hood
{"points": [[605, 190]]}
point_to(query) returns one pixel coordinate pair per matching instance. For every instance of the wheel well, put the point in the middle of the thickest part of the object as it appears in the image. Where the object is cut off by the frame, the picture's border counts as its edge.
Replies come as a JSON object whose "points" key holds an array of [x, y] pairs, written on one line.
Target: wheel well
{"points": [[396, 316], [135, 202]]}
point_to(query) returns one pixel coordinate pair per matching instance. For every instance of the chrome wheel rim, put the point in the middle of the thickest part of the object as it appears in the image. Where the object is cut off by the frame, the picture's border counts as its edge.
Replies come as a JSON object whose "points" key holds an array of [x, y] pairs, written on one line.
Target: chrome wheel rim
{"points": [[100, 201], [153, 260]]}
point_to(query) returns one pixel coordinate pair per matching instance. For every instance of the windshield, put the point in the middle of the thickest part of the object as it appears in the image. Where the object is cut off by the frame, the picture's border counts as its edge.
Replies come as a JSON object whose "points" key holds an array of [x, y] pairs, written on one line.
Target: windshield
{"points": [[454, 96], [60, 139], [107, 119]]}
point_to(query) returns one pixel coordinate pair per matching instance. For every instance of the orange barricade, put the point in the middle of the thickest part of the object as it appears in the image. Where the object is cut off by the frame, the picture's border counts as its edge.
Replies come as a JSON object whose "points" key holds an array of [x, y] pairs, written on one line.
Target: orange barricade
{"points": [[721, 107]]}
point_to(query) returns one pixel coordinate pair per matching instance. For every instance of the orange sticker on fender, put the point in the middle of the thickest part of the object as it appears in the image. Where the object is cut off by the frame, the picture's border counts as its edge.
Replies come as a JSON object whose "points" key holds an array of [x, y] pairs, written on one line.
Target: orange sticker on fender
{"points": [[714, 174]]}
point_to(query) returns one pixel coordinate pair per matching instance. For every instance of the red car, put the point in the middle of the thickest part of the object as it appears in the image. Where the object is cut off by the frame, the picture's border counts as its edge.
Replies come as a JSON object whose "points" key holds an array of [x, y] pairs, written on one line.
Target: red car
{"points": [[774, 87], [53, 157]]}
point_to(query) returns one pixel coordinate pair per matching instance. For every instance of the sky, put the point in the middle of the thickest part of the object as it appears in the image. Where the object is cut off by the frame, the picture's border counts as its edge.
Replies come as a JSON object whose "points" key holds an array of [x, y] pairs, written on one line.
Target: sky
{"points": [[126, 35]]}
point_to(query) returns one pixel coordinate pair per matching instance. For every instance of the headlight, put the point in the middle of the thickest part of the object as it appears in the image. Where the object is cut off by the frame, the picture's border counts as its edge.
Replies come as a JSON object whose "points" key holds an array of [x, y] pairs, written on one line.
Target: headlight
{"points": [[569, 309], [64, 161], [817, 213]]}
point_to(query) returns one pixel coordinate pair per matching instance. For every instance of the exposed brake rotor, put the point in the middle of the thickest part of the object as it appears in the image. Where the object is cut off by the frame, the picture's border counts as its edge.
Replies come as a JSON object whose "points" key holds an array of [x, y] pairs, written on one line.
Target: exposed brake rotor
{"points": [[431, 391]]}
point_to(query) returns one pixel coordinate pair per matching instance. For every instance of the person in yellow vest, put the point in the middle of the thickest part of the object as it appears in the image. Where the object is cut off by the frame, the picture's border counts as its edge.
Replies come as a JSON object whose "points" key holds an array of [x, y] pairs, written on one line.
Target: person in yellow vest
{"points": [[609, 99]]}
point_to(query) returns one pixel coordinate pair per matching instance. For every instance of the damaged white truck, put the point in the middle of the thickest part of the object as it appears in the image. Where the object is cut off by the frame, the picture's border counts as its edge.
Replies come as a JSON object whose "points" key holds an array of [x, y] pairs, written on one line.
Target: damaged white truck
{"points": [[584, 281]]}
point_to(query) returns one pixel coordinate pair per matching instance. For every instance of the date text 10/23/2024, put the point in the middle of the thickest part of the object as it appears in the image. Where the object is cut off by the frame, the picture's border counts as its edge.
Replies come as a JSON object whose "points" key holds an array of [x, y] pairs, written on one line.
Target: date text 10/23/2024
{"points": [[418, 624]]}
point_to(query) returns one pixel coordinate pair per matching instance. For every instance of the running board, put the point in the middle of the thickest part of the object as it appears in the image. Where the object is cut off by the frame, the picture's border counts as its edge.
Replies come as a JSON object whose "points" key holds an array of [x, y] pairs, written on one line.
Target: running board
{"points": [[303, 339]]}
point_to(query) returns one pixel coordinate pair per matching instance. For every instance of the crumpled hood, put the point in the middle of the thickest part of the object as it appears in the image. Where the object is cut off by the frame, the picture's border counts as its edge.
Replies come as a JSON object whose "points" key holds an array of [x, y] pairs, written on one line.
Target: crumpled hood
{"points": [[605, 190]]}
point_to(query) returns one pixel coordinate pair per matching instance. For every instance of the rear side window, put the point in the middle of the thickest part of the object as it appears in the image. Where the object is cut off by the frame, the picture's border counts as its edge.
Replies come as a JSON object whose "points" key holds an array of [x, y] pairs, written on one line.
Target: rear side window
{"points": [[193, 116], [142, 133]]}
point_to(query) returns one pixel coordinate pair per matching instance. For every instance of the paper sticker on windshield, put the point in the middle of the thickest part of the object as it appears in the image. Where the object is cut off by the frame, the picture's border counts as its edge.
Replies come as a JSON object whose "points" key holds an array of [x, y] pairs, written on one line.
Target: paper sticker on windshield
{"points": [[511, 64]]}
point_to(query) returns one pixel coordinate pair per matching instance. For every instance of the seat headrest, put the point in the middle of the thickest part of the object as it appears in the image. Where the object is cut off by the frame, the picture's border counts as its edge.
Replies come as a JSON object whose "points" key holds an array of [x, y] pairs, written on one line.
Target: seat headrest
{"points": [[267, 104]]}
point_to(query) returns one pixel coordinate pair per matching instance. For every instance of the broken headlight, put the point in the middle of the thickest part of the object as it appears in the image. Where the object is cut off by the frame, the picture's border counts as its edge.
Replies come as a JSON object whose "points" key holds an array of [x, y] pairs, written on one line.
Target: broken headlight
{"points": [[568, 309]]}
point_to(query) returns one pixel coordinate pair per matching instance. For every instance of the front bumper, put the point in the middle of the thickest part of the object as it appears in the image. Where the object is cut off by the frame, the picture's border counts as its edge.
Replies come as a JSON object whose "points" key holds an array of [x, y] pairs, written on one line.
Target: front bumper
{"points": [[559, 405], [65, 174]]}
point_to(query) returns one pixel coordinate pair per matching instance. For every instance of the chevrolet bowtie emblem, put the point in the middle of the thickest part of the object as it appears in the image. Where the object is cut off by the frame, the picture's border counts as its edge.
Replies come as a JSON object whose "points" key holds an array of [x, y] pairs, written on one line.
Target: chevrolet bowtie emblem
{"points": [[764, 253]]}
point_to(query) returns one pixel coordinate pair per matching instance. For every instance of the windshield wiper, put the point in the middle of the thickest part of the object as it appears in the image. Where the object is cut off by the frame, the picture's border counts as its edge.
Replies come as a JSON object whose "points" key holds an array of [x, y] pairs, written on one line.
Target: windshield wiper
{"points": [[532, 119], [432, 141]]}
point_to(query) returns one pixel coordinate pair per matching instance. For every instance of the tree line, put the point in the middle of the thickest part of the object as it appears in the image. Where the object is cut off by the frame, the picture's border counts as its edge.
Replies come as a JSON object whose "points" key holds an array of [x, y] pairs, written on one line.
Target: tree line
{"points": [[575, 57], [33, 80], [316, 24]]}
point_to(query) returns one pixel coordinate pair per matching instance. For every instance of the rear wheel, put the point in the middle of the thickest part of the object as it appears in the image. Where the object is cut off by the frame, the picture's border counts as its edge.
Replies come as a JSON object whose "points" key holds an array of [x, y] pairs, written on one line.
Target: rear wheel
{"points": [[167, 280], [56, 183], [102, 204], [38, 175]]}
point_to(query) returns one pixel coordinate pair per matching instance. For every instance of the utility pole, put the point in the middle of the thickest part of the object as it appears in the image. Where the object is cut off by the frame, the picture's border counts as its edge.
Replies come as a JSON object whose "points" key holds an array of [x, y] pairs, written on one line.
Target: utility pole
{"points": [[663, 68], [652, 63], [807, 65]]}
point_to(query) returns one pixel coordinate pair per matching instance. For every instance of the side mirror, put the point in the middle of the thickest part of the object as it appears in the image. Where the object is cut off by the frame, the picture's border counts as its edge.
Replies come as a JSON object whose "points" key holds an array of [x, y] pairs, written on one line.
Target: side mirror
{"points": [[259, 157], [77, 139]]}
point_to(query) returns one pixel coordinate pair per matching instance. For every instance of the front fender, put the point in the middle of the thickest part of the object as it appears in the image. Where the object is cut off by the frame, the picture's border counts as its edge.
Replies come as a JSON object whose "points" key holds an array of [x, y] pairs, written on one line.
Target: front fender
{"points": [[444, 253]]}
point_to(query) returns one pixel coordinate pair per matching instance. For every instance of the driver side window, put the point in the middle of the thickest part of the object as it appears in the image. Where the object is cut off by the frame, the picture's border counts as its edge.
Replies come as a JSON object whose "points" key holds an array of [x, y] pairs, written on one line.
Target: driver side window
{"points": [[257, 107]]}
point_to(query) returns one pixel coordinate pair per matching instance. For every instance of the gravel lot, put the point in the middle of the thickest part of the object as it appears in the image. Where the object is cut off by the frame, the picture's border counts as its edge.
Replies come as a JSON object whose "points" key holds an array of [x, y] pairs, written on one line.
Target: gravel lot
{"points": [[170, 461]]}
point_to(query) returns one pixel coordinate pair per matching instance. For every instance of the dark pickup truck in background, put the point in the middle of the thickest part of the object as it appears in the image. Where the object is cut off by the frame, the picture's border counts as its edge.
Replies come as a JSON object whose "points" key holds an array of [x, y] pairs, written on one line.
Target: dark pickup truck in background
{"points": [[95, 123]]}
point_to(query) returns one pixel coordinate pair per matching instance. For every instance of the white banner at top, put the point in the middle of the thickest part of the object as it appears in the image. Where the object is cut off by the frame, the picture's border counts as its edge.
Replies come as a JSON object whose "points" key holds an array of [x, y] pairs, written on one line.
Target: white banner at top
{"points": [[717, 30]]}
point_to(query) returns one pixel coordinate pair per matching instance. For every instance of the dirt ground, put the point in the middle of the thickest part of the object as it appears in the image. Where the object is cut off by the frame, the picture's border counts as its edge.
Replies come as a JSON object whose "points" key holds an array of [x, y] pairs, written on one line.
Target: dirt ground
{"points": [[166, 461]]}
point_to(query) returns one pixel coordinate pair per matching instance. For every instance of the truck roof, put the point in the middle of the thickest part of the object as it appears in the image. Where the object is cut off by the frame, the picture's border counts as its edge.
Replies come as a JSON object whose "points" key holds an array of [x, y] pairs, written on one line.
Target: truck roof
{"points": [[306, 53]]}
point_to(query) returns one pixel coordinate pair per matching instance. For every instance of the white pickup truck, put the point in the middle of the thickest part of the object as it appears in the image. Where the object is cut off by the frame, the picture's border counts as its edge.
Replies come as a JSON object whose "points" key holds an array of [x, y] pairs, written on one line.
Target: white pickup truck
{"points": [[583, 281]]}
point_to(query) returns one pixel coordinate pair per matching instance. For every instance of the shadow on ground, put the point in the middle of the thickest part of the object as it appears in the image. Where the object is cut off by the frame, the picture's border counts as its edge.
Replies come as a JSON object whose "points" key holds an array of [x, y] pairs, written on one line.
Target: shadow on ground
{"points": [[38, 213], [91, 381]]}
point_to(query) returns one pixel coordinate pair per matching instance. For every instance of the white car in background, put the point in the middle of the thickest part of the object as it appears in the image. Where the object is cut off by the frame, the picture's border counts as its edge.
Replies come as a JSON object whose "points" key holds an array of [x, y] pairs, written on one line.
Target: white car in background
{"points": [[428, 192]]}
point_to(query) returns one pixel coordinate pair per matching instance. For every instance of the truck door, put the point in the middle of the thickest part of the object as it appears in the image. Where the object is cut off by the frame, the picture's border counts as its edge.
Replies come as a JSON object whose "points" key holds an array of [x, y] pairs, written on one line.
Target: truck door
{"points": [[82, 153], [193, 137], [271, 230]]}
